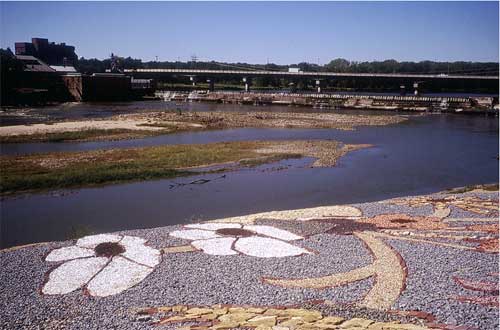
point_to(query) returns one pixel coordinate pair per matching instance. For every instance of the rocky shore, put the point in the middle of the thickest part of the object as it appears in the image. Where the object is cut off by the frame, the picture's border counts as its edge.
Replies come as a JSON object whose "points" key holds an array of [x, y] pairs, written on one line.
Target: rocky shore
{"points": [[268, 119], [140, 125]]}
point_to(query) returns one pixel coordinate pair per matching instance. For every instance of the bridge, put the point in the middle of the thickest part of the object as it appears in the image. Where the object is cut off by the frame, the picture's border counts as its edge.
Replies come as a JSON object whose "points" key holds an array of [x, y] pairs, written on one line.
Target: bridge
{"points": [[194, 72], [320, 77]]}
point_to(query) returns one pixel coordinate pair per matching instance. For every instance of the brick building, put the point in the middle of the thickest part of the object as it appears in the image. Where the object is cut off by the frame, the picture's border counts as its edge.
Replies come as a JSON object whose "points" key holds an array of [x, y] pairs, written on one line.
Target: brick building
{"points": [[46, 73], [49, 52]]}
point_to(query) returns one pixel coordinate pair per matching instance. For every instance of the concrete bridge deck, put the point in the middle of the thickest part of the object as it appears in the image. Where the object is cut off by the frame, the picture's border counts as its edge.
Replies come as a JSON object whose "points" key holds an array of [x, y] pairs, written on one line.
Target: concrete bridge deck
{"points": [[303, 74]]}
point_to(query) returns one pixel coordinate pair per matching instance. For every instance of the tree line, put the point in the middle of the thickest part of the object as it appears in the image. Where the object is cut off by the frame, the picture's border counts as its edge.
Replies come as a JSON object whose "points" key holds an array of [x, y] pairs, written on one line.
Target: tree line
{"points": [[336, 65], [340, 65]]}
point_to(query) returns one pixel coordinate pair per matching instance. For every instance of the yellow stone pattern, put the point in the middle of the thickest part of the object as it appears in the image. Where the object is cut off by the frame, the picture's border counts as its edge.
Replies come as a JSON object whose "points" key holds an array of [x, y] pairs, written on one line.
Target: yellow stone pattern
{"points": [[218, 317], [386, 267], [321, 212], [179, 249]]}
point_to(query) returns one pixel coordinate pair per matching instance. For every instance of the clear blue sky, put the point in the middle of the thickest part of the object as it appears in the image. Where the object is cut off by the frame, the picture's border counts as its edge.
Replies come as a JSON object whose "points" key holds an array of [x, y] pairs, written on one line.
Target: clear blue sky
{"points": [[283, 32]]}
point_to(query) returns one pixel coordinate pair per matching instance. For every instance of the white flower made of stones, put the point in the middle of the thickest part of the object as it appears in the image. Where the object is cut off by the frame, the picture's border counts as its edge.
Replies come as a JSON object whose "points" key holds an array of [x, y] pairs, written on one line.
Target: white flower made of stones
{"points": [[103, 264], [222, 239]]}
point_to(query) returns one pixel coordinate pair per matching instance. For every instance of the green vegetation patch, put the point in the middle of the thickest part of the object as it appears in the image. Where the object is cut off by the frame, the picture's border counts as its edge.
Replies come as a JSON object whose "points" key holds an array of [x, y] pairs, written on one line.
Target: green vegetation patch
{"points": [[78, 169], [82, 135], [252, 162], [487, 187]]}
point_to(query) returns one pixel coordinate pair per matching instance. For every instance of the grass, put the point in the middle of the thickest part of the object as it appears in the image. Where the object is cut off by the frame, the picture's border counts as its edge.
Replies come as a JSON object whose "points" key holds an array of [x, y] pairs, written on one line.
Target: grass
{"points": [[169, 128], [80, 169], [165, 125], [487, 187], [78, 231], [252, 162], [83, 135]]}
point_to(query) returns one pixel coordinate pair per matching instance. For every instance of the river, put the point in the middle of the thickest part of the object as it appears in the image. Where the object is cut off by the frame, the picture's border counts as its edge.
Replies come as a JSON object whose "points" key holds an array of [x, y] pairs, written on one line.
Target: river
{"points": [[426, 154]]}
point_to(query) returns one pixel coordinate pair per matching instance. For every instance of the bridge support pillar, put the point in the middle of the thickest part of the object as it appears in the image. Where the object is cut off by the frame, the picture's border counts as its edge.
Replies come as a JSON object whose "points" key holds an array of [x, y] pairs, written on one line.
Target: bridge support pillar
{"points": [[415, 87], [211, 85], [402, 90], [319, 85], [193, 80], [248, 83]]}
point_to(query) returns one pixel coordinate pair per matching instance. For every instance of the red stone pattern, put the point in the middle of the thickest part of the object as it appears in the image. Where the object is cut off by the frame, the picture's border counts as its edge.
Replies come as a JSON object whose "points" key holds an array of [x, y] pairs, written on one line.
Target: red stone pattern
{"points": [[491, 288]]}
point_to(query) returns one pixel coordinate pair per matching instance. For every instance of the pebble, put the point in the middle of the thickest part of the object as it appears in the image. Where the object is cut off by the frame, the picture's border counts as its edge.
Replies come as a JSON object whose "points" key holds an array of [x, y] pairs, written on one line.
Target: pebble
{"points": [[197, 280]]}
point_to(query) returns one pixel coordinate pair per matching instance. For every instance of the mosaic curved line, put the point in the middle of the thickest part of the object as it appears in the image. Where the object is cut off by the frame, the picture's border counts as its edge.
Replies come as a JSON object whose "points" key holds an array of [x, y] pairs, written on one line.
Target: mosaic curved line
{"points": [[387, 268]]}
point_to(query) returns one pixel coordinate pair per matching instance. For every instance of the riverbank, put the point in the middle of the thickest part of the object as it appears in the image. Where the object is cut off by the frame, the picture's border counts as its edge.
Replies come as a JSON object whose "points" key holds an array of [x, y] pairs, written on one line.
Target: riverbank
{"points": [[434, 257], [269, 119], [82, 169], [139, 125], [413, 103]]}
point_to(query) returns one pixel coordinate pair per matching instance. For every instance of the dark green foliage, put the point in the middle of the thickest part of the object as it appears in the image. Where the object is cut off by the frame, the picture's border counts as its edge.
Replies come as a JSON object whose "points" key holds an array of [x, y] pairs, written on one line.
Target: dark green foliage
{"points": [[336, 65]]}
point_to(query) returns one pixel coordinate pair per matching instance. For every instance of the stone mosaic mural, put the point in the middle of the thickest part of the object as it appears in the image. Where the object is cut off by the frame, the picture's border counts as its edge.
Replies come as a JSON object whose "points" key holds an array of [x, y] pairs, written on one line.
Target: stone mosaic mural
{"points": [[389, 242]]}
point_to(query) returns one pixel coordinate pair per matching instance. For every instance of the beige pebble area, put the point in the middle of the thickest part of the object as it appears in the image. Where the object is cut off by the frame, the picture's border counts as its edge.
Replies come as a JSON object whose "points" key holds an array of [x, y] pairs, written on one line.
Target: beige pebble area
{"points": [[164, 121], [326, 152], [75, 126], [221, 317], [270, 119]]}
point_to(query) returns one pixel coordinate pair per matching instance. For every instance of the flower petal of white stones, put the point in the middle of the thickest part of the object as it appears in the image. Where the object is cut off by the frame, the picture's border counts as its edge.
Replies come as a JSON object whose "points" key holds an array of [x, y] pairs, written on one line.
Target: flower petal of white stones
{"points": [[94, 240], [273, 232], [103, 276], [264, 247], [194, 234], [135, 250], [119, 275], [69, 252], [216, 246], [72, 275], [213, 225]]}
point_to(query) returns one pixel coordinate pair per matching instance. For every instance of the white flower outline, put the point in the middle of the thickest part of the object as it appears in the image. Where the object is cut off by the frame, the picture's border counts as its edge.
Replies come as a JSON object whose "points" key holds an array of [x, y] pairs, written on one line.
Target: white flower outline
{"points": [[264, 241], [100, 276]]}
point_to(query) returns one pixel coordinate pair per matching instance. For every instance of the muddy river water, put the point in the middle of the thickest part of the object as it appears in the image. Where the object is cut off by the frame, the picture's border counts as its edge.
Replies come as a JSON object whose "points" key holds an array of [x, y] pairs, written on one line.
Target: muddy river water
{"points": [[426, 154]]}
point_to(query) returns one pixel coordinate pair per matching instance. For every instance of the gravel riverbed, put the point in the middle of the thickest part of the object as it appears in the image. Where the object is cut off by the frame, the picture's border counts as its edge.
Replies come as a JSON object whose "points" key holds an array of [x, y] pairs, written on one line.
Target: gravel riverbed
{"points": [[448, 282]]}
